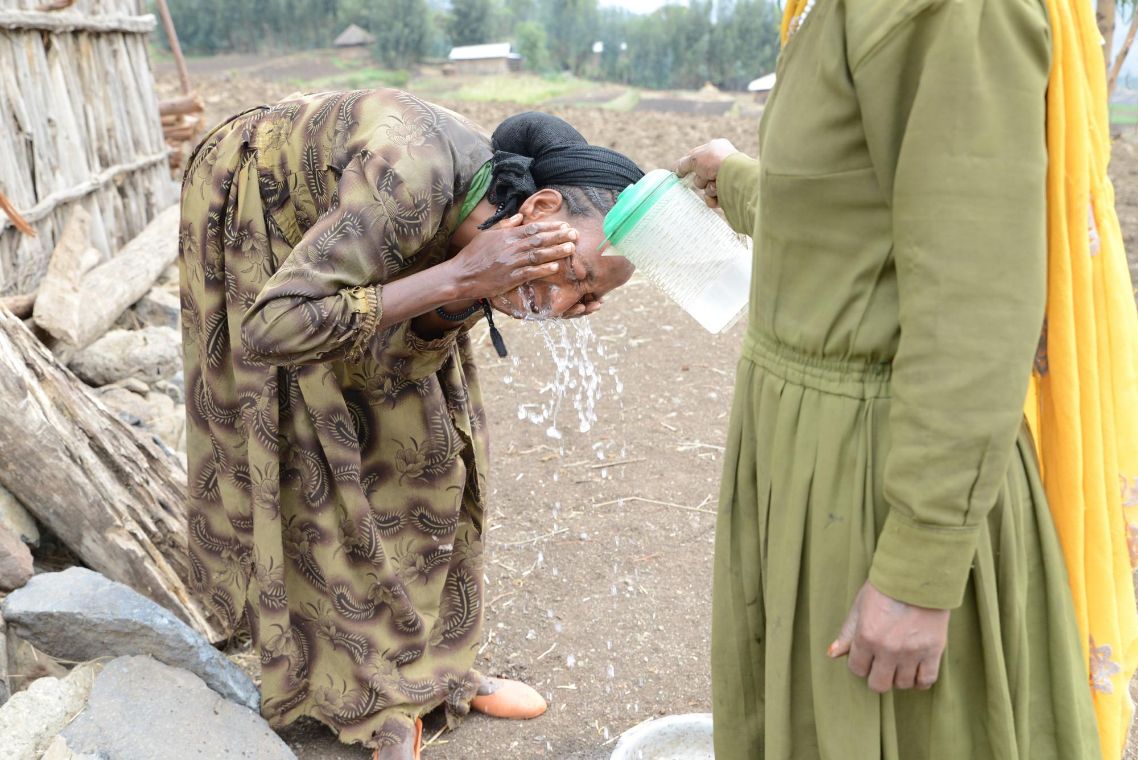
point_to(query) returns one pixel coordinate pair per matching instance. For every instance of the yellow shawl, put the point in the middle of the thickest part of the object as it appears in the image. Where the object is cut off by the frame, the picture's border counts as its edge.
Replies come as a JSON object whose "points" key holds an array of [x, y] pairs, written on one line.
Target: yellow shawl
{"points": [[1083, 401]]}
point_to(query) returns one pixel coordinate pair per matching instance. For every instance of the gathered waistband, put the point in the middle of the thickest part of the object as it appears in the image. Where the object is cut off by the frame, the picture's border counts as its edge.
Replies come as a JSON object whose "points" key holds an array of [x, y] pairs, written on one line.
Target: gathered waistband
{"points": [[845, 377]]}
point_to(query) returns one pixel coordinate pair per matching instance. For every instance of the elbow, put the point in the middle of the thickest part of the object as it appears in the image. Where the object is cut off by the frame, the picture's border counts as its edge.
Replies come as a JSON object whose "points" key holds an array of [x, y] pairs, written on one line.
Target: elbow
{"points": [[260, 342]]}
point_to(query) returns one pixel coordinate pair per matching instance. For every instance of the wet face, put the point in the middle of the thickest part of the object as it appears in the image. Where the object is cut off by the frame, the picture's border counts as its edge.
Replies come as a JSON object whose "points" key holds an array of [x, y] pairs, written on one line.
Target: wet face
{"points": [[584, 278]]}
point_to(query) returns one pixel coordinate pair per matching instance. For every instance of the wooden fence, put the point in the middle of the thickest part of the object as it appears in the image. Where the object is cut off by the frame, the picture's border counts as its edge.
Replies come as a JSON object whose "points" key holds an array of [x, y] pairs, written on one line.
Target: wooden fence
{"points": [[79, 125]]}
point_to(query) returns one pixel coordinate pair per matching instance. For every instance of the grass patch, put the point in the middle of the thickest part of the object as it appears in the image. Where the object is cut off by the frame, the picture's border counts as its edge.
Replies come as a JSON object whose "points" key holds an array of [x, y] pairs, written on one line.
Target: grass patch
{"points": [[524, 89], [1123, 114], [360, 78], [624, 102]]}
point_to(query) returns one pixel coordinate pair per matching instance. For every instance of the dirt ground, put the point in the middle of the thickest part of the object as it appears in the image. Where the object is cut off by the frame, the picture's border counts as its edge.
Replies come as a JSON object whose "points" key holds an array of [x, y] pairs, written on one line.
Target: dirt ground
{"points": [[599, 547]]}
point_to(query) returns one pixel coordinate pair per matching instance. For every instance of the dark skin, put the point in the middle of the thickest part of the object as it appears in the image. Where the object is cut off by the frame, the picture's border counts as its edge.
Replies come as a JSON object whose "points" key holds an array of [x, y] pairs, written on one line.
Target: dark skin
{"points": [[542, 261]]}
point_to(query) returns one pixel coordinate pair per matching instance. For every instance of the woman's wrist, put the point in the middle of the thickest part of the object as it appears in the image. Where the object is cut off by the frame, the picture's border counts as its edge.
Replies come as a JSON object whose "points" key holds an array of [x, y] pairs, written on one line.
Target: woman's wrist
{"points": [[456, 286]]}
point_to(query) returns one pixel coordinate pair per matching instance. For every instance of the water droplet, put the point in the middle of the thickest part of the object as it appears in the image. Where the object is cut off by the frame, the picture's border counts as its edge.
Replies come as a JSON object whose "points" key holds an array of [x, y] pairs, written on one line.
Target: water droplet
{"points": [[570, 661], [610, 671]]}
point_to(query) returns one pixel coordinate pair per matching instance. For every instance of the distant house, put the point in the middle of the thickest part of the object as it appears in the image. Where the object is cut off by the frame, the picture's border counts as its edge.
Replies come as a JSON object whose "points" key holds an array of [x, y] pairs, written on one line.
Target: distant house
{"points": [[354, 36], [494, 58], [762, 87]]}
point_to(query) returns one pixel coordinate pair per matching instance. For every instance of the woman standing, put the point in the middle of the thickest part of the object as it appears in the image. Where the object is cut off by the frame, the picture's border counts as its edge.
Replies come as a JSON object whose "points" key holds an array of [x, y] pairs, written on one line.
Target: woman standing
{"points": [[334, 250], [881, 500]]}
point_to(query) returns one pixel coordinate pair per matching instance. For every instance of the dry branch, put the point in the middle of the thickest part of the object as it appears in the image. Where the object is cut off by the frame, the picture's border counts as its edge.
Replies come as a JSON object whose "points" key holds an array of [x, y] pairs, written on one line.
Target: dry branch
{"points": [[115, 498], [18, 221], [99, 181]]}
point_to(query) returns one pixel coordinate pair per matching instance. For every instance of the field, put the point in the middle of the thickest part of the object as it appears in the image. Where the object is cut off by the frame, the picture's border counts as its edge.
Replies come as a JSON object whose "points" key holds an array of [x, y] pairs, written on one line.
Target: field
{"points": [[599, 550]]}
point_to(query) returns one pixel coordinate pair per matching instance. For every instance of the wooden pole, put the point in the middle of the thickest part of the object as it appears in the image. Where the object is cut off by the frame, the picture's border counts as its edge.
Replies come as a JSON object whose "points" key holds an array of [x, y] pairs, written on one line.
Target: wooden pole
{"points": [[175, 48]]}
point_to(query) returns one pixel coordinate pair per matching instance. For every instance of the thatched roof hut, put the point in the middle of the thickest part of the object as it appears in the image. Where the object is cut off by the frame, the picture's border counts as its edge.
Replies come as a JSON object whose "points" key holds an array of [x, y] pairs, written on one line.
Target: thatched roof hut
{"points": [[80, 126], [354, 36]]}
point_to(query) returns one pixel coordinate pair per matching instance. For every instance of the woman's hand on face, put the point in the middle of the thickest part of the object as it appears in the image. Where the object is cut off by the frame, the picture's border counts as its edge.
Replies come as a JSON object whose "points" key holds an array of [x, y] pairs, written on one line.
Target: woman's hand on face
{"points": [[703, 163], [509, 254], [892, 644]]}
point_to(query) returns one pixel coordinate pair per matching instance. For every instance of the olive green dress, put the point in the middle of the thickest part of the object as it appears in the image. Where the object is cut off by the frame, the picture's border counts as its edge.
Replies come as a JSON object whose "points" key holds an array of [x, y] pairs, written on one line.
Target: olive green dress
{"points": [[898, 215], [336, 470]]}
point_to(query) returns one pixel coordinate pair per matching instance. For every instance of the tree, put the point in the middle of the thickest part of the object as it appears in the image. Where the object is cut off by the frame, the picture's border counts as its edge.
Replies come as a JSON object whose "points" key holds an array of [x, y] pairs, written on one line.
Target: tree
{"points": [[576, 25], [531, 44], [471, 21], [1107, 10], [401, 29]]}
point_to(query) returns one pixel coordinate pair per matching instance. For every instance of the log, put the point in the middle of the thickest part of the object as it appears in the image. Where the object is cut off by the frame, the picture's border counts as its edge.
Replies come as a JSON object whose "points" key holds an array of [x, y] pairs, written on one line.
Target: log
{"points": [[57, 307], [59, 23], [181, 133], [187, 104], [113, 497], [110, 288]]}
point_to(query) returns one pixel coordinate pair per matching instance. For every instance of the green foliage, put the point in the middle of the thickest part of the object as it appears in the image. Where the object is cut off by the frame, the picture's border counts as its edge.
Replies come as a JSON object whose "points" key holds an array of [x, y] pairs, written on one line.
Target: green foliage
{"points": [[472, 22], [576, 25], [402, 30], [531, 44], [726, 42]]}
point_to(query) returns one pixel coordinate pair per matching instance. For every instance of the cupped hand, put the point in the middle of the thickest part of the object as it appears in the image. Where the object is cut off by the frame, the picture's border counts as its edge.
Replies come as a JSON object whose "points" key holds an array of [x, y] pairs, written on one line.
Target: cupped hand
{"points": [[703, 163], [891, 644], [509, 254]]}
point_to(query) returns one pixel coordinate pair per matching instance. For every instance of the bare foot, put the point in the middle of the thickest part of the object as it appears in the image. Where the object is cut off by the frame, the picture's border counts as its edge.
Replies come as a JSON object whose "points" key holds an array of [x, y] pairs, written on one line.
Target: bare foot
{"points": [[408, 749]]}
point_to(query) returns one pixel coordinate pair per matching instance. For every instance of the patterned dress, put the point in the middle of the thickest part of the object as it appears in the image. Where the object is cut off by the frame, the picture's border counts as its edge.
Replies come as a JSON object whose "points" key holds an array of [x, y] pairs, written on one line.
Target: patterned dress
{"points": [[337, 471]]}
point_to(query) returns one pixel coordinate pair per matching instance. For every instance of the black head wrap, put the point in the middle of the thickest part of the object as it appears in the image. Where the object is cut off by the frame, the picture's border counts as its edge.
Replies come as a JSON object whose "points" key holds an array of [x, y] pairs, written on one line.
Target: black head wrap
{"points": [[533, 150]]}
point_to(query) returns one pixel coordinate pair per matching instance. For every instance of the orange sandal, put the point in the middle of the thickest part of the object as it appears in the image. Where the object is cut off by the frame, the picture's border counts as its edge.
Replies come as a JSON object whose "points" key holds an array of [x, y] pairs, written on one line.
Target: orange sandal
{"points": [[503, 698]]}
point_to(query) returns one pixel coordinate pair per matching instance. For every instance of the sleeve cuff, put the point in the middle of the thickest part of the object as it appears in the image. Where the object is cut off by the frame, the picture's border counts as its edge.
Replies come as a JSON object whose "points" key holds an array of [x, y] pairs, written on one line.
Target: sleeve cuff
{"points": [[414, 357], [738, 189], [369, 302], [923, 565]]}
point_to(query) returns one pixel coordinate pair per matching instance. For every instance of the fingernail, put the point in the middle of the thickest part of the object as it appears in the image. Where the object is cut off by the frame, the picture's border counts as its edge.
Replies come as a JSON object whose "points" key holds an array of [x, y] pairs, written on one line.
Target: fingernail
{"points": [[833, 650]]}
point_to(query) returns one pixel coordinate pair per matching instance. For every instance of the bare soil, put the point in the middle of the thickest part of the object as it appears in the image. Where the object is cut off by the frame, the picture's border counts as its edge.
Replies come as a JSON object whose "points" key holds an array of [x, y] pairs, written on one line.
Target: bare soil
{"points": [[599, 546]]}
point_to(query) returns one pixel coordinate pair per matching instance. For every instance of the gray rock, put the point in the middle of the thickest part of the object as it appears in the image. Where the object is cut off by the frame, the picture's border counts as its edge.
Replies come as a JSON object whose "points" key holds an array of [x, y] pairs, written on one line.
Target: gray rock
{"points": [[155, 412], [17, 519], [30, 720], [150, 354], [80, 615], [174, 388], [5, 685], [139, 705], [15, 560], [159, 308], [27, 665], [58, 750], [134, 385]]}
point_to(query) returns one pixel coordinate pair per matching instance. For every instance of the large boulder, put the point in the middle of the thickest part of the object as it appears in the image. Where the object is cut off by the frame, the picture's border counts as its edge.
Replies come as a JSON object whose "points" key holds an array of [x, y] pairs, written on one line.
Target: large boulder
{"points": [[15, 560], [17, 519], [141, 709], [80, 615], [150, 354], [31, 719]]}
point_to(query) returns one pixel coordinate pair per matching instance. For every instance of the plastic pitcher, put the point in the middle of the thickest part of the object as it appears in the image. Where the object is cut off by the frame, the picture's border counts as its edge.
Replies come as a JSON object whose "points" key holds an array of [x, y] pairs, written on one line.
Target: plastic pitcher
{"points": [[683, 247]]}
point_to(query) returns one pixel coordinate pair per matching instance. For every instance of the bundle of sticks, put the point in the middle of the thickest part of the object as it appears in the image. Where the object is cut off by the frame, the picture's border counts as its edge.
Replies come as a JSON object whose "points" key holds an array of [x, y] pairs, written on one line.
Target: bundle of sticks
{"points": [[182, 122]]}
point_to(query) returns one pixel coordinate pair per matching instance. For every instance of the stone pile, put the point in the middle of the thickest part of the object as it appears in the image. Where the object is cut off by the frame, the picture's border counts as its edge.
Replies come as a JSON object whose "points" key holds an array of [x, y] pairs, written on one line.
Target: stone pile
{"points": [[147, 684]]}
